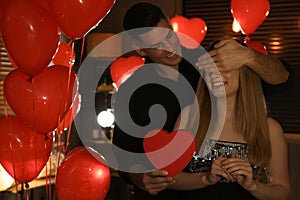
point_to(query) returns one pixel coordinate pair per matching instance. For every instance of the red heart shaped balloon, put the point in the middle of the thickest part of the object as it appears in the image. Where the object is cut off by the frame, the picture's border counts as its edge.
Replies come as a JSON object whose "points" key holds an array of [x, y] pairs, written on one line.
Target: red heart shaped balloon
{"points": [[122, 68], [250, 14], [30, 34], [258, 46], [42, 101], [190, 32], [169, 151], [23, 152], [77, 17], [83, 175]]}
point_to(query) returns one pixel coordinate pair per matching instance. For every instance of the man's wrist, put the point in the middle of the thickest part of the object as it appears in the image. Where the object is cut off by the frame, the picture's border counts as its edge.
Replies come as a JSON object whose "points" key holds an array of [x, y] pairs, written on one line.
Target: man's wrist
{"points": [[250, 58]]}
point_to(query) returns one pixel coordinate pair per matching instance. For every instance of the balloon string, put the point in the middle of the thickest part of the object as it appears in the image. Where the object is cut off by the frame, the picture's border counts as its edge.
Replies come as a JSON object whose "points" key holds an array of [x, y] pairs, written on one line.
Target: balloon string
{"points": [[49, 177], [73, 99], [57, 151], [12, 155], [26, 191], [16, 186], [60, 149], [59, 130], [68, 90], [71, 42], [34, 105], [68, 138], [68, 87], [47, 188], [5, 107], [247, 38], [82, 49], [60, 120], [36, 156], [72, 53]]}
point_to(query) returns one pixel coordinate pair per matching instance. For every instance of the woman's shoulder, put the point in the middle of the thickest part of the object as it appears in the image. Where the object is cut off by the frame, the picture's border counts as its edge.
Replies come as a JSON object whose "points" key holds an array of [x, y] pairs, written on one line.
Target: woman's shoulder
{"points": [[275, 130], [273, 124]]}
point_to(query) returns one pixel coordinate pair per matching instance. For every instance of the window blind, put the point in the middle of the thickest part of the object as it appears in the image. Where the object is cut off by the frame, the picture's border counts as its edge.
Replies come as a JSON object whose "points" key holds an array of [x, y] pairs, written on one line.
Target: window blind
{"points": [[5, 68]]}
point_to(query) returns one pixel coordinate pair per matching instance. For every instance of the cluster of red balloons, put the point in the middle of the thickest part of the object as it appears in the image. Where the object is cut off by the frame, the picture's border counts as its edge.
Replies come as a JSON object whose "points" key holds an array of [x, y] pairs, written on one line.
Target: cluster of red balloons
{"points": [[43, 97]]}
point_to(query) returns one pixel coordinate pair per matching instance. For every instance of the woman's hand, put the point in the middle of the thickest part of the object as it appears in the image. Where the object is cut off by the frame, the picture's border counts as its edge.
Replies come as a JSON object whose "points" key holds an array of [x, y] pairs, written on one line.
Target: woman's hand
{"points": [[241, 171], [153, 182], [217, 172]]}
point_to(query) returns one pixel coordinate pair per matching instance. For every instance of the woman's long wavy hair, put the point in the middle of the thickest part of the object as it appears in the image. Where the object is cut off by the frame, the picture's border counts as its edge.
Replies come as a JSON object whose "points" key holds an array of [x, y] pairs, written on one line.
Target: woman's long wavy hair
{"points": [[249, 110]]}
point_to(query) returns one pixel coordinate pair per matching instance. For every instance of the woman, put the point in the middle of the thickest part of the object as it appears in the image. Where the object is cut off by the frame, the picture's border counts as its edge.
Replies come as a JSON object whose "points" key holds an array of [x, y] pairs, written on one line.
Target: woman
{"points": [[248, 159]]}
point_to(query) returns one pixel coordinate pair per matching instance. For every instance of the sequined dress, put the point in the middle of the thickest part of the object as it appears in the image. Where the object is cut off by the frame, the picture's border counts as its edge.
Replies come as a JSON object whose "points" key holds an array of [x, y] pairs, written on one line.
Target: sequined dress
{"points": [[224, 189]]}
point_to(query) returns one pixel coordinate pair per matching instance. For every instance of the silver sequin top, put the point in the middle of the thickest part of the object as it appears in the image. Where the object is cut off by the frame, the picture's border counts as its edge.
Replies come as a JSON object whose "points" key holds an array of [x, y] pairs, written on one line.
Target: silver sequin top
{"points": [[217, 148]]}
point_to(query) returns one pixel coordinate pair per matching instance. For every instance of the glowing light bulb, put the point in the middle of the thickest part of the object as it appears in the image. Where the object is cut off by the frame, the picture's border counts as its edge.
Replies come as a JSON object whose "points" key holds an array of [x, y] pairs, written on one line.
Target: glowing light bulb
{"points": [[105, 118], [175, 26], [236, 26]]}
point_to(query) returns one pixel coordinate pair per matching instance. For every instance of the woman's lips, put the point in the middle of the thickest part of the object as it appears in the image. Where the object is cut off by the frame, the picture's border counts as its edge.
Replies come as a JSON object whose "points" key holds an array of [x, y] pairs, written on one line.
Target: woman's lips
{"points": [[172, 55], [219, 84]]}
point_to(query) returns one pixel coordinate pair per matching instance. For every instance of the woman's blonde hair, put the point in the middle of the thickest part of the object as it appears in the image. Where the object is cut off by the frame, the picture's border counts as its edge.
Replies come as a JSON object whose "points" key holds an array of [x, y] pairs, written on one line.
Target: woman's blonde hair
{"points": [[251, 112]]}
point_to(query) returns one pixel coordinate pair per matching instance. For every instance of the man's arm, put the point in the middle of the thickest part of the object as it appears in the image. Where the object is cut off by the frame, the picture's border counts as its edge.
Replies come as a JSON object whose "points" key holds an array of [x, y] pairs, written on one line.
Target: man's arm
{"points": [[228, 54]]}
